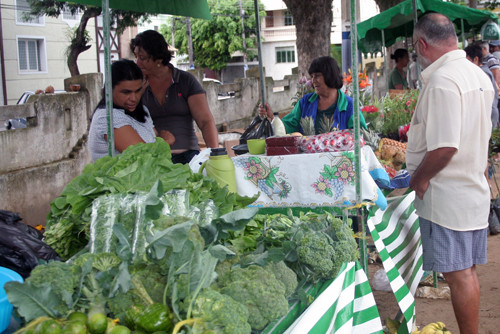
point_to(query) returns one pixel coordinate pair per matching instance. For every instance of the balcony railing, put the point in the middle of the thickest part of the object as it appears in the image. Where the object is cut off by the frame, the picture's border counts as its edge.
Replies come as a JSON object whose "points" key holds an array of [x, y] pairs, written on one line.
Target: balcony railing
{"points": [[272, 34]]}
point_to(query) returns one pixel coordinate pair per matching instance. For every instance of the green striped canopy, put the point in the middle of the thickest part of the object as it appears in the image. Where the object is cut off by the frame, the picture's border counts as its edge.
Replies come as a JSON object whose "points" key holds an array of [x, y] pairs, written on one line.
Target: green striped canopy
{"points": [[191, 8], [397, 22]]}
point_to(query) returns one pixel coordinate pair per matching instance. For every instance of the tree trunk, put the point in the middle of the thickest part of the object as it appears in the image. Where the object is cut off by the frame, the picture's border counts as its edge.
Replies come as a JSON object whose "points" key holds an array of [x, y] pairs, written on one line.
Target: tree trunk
{"points": [[313, 21], [79, 42], [386, 4]]}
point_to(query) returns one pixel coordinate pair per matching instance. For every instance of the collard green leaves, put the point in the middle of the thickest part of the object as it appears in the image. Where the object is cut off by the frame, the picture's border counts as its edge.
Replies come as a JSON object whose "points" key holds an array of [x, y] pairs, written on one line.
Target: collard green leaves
{"points": [[137, 169]]}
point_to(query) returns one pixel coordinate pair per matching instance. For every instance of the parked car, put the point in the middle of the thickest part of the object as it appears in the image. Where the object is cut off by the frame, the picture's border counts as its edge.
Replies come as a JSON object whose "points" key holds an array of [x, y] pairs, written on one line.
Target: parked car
{"points": [[20, 123]]}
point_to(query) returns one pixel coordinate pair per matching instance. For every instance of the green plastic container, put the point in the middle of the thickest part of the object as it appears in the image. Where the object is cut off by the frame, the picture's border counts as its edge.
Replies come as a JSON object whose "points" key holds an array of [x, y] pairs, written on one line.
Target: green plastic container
{"points": [[220, 167]]}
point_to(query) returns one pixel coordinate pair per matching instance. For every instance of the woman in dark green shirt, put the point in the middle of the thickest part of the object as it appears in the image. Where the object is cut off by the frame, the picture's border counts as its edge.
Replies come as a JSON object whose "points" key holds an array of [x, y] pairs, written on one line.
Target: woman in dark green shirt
{"points": [[397, 78]]}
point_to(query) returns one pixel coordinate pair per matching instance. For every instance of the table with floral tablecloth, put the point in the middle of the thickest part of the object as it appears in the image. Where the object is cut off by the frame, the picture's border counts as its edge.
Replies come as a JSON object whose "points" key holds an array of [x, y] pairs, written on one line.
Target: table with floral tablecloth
{"points": [[309, 180]]}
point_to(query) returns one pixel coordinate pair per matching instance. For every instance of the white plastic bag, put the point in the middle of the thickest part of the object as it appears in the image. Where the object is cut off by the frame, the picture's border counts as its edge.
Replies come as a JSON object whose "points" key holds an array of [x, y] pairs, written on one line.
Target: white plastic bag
{"points": [[278, 126], [380, 281], [198, 159]]}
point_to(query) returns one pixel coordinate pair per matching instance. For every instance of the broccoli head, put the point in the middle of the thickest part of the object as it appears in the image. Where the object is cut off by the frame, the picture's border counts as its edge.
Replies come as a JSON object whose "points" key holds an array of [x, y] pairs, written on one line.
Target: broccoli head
{"points": [[323, 244], [219, 314], [315, 250], [285, 275], [152, 278], [61, 277], [121, 303], [259, 290]]}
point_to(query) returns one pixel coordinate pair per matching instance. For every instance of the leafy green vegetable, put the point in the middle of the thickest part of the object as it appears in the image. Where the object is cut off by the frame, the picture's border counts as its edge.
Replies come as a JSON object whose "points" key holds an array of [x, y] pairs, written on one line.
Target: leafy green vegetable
{"points": [[137, 169], [314, 245], [56, 289]]}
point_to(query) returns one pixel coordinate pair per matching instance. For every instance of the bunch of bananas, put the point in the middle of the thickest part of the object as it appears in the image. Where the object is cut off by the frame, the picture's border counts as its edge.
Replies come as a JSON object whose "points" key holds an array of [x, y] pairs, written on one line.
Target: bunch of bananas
{"points": [[434, 328]]}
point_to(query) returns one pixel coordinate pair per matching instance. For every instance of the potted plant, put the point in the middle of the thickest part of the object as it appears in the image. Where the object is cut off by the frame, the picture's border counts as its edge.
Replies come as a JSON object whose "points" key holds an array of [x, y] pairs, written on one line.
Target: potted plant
{"points": [[397, 113]]}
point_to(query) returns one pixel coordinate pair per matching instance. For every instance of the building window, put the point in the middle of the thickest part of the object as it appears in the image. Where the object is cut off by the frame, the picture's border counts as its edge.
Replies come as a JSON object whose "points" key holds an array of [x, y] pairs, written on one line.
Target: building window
{"points": [[31, 55], [269, 19], [22, 9], [285, 55], [289, 19]]}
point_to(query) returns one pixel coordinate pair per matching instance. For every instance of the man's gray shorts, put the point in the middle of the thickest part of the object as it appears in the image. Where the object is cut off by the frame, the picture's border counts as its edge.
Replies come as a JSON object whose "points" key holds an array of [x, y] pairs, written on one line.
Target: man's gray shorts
{"points": [[446, 250]]}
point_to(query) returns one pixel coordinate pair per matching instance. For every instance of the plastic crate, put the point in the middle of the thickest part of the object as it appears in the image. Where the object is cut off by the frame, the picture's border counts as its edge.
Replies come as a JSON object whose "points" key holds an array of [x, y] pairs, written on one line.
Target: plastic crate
{"points": [[6, 275]]}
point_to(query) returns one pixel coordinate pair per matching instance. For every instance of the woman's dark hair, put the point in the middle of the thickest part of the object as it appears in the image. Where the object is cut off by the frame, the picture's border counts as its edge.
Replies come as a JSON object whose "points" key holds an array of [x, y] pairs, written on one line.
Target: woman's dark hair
{"points": [[474, 50], [398, 54], [329, 67], [125, 70], [154, 44]]}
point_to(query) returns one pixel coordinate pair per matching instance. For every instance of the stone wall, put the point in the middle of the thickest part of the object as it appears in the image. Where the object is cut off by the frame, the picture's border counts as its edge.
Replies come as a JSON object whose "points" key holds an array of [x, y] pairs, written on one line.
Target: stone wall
{"points": [[37, 162]]}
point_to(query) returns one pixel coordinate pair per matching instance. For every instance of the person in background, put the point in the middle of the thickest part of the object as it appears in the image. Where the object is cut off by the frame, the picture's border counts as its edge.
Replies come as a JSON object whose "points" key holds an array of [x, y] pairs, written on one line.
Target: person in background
{"points": [[397, 77], [174, 97], [412, 72], [327, 101], [475, 55], [495, 48], [446, 158], [492, 62], [131, 120]]}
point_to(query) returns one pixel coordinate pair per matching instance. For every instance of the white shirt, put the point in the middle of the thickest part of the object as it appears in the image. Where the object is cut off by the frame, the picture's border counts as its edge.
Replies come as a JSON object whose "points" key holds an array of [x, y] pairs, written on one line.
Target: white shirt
{"points": [[453, 110], [98, 145]]}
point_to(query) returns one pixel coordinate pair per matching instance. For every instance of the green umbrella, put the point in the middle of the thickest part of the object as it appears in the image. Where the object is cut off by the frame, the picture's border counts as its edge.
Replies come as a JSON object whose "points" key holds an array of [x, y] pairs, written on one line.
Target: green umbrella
{"points": [[192, 8], [385, 28]]}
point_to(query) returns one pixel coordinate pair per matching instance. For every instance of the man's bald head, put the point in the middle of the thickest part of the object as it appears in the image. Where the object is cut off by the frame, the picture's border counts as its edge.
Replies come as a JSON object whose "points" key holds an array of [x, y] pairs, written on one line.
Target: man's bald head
{"points": [[436, 29], [434, 35]]}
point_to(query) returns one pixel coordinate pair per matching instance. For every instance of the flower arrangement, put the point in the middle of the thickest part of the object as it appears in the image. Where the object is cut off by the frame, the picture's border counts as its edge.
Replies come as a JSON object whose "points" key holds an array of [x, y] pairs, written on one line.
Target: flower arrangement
{"points": [[304, 87], [364, 83], [370, 113]]}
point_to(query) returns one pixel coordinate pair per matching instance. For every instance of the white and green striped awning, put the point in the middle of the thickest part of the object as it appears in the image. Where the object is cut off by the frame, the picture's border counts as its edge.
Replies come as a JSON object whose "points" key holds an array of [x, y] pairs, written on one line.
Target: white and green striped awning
{"points": [[396, 234], [344, 306]]}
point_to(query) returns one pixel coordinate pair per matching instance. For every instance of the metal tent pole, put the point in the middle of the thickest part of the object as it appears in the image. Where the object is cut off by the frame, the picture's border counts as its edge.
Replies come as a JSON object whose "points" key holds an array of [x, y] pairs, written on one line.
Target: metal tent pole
{"points": [[384, 52], [108, 89], [463, 33], [357, 134], [259, 47]]}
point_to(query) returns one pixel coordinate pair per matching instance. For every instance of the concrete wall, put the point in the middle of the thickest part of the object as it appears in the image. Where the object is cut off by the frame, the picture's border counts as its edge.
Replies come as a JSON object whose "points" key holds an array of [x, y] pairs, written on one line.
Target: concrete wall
{"points": [[37, 162]]}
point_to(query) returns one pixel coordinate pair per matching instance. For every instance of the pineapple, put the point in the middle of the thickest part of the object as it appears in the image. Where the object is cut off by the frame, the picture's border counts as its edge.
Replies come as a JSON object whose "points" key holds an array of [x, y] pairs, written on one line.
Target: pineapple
{"points": [[307, 124], [371, 139], [326, 124]]}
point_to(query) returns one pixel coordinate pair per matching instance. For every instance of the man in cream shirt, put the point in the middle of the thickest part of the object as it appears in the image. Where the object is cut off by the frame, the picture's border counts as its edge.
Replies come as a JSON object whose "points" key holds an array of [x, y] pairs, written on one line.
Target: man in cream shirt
{"points": [[447, 158]]}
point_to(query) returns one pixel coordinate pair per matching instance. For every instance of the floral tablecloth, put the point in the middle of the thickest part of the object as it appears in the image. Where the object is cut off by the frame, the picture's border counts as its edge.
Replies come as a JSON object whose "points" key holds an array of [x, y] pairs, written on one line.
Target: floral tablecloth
{"points": [[309, 180]]}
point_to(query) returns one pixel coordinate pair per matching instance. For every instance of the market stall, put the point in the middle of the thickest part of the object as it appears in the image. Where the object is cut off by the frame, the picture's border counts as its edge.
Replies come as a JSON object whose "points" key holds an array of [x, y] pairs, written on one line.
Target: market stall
{"points": [[384, 29], [130, 208]]}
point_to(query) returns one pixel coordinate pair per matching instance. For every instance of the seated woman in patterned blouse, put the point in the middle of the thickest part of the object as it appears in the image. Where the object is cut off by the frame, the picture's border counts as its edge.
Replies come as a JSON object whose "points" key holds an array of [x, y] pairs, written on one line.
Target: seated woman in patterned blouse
{"points": [[131, 120]]}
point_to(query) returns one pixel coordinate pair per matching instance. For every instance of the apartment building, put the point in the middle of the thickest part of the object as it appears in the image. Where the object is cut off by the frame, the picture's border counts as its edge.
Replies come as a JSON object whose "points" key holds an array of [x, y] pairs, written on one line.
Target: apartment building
{"points": [[33, 51], [279, 49]]}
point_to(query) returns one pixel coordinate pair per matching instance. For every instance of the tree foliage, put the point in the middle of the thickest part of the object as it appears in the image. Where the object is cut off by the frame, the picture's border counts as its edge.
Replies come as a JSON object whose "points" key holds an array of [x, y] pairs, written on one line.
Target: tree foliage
{"points": [[215, 41], [80, 38]]}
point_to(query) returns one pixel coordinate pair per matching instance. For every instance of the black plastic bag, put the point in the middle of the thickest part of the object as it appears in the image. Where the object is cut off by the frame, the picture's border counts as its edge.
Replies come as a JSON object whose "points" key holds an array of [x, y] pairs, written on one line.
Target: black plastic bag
{"points": [[259, 128], [21, 245], [494, 217], [251, 130]]}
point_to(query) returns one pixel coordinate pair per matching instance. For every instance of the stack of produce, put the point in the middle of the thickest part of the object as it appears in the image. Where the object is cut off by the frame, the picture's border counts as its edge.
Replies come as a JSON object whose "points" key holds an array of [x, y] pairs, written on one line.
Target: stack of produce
{"points": [[283, 145], [392, 154], [137, 169], [335, 141], [175, 256]]}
